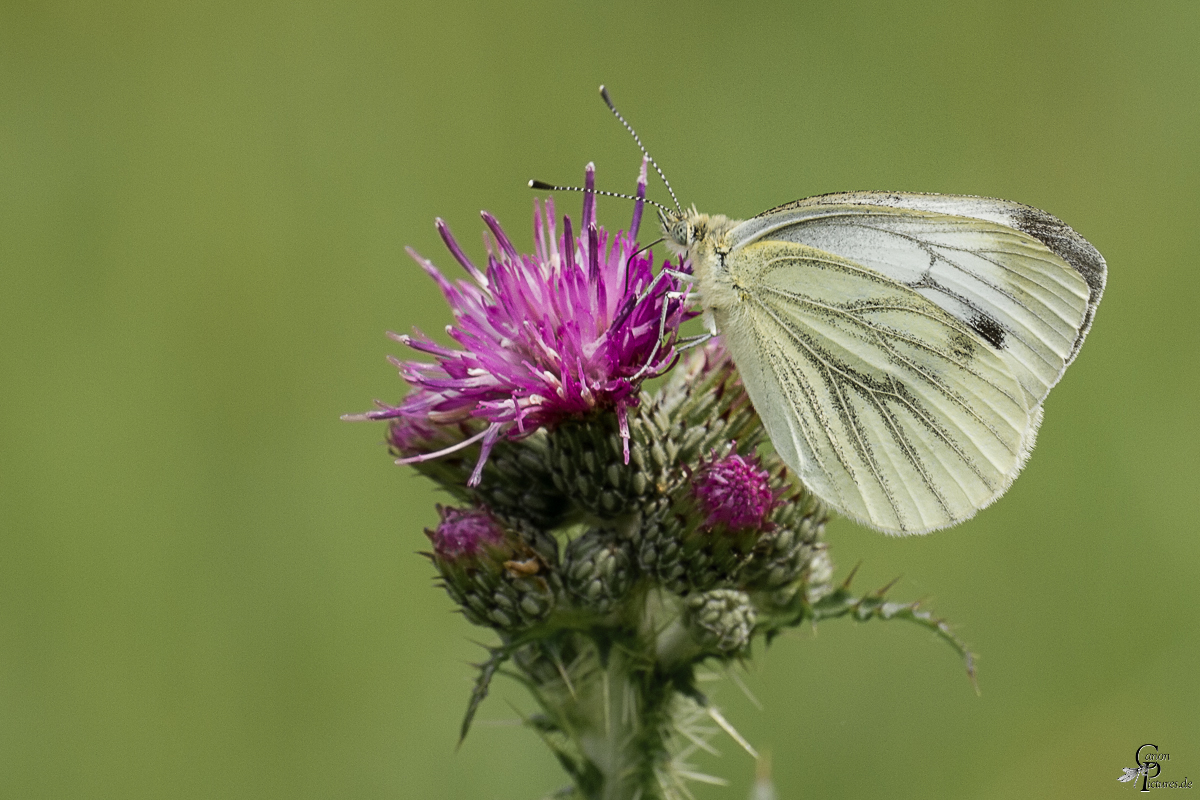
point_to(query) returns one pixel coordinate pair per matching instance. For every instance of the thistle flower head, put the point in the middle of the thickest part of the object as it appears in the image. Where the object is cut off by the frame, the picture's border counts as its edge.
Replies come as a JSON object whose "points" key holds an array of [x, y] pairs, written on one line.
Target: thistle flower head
{"points": [[542, 337], [463, 532], [733, 491]]}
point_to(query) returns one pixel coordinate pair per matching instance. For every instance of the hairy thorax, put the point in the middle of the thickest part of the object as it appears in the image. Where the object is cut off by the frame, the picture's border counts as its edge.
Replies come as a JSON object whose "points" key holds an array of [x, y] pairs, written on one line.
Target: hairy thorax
{"points": [[705, 240]]}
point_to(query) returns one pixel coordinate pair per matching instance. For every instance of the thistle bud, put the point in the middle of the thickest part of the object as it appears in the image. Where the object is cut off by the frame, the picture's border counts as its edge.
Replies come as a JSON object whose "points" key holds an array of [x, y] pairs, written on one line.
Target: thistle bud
{"points": [[599, 569], [721, 620], [702, 406], [609, 475], [733, 493], [493, 573], [792, 554], [709, 533], [660, 549], [515, 482], [409, 436], [589, 466]]}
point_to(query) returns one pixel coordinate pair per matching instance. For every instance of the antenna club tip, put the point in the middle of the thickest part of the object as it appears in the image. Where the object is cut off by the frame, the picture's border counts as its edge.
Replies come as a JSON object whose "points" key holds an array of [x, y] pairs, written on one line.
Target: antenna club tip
{"points": [[531, 184]]}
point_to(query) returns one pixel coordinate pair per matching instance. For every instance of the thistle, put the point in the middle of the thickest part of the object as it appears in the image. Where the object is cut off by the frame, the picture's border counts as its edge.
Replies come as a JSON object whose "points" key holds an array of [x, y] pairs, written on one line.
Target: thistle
{"points": [[613, 538], [496, 576]]}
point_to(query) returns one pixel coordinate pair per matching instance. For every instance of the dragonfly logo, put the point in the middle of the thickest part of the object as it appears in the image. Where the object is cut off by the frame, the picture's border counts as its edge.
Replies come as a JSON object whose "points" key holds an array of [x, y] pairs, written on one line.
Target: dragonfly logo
{"points": [[1149, 765]]}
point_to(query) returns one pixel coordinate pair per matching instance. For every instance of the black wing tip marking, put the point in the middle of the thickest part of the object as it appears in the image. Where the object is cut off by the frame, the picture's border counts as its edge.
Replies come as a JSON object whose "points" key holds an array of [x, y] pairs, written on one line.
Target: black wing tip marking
{"points": [[1062, 240]]}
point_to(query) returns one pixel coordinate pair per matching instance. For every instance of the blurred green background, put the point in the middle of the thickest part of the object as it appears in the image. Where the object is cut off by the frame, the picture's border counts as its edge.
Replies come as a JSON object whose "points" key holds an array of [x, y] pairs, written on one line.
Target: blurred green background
{"points": [[208, 584]]}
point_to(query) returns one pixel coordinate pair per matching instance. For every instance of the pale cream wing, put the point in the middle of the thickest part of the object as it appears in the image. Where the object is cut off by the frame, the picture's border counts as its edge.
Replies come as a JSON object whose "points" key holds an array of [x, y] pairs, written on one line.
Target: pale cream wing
{"points": [[1022, 279], [888, 408]]}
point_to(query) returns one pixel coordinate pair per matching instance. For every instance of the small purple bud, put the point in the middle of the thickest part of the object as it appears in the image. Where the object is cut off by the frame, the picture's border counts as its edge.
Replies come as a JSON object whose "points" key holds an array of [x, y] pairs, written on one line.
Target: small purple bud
{"points": [[411, 435], [733, 491], [464, 532]]}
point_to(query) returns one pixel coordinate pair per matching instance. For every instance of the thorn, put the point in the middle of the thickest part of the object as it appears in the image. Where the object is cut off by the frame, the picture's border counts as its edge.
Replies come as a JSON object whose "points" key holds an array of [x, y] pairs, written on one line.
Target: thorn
{"points": [[562, 671], [885, 589], [850, 577], [700, 777], [732, 731], [737, 680]]}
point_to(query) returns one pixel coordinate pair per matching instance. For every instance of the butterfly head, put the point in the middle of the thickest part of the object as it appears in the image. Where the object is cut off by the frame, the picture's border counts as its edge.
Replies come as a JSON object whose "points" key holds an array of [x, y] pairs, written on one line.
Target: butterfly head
{"points": [[679, 229], [690, 234]]}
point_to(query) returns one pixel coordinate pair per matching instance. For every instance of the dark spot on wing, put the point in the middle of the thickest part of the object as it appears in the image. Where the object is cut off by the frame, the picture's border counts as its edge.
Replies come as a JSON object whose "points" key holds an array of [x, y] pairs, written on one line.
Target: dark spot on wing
{"points": [[989, 329], [962, 345]]}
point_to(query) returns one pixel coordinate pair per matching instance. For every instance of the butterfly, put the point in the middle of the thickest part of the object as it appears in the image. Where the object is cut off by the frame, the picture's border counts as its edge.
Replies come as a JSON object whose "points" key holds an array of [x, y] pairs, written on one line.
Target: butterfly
{"points": [[897, 346]]}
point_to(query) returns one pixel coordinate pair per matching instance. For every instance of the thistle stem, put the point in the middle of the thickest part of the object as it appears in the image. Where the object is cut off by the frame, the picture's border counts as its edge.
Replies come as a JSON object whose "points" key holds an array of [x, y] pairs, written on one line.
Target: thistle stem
{"points": [[611, 696], [628, 741]]}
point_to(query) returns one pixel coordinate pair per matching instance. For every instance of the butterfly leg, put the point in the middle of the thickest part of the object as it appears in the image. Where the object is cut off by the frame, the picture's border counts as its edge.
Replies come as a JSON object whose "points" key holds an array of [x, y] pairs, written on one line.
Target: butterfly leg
{"points": [[682, 277], [688, 342], [662, 328]]}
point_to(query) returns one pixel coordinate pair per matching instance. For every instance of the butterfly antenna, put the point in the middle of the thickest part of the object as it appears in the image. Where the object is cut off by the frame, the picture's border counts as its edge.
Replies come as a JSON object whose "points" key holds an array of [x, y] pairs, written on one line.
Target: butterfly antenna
{"points": [[549, 187], [608, 102]]}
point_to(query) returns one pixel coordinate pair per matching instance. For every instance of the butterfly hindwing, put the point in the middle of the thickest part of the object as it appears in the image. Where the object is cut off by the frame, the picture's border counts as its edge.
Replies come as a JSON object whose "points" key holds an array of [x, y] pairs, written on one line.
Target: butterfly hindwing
{"points": [[893, 410]]}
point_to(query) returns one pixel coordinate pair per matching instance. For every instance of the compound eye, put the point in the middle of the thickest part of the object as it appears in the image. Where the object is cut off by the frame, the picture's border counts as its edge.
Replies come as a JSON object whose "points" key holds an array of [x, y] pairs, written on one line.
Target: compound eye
{"points": [[681, 232]]}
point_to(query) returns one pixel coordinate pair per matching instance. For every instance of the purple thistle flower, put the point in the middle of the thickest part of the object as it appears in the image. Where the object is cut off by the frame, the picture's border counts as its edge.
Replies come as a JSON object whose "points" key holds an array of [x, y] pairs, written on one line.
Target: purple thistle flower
{"points": [[734, 491], [572, 328], [463, 532]]}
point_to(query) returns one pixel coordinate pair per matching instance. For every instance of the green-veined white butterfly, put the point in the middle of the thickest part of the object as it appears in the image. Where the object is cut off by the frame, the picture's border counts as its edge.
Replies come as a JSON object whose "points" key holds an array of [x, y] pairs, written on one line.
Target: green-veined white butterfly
{"points": [[897, 346]]}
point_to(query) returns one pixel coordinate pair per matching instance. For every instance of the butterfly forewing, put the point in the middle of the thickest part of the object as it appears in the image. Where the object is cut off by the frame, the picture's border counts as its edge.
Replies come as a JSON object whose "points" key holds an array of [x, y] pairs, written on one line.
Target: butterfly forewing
{"points": [[1022, 280], [890, 408]]}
